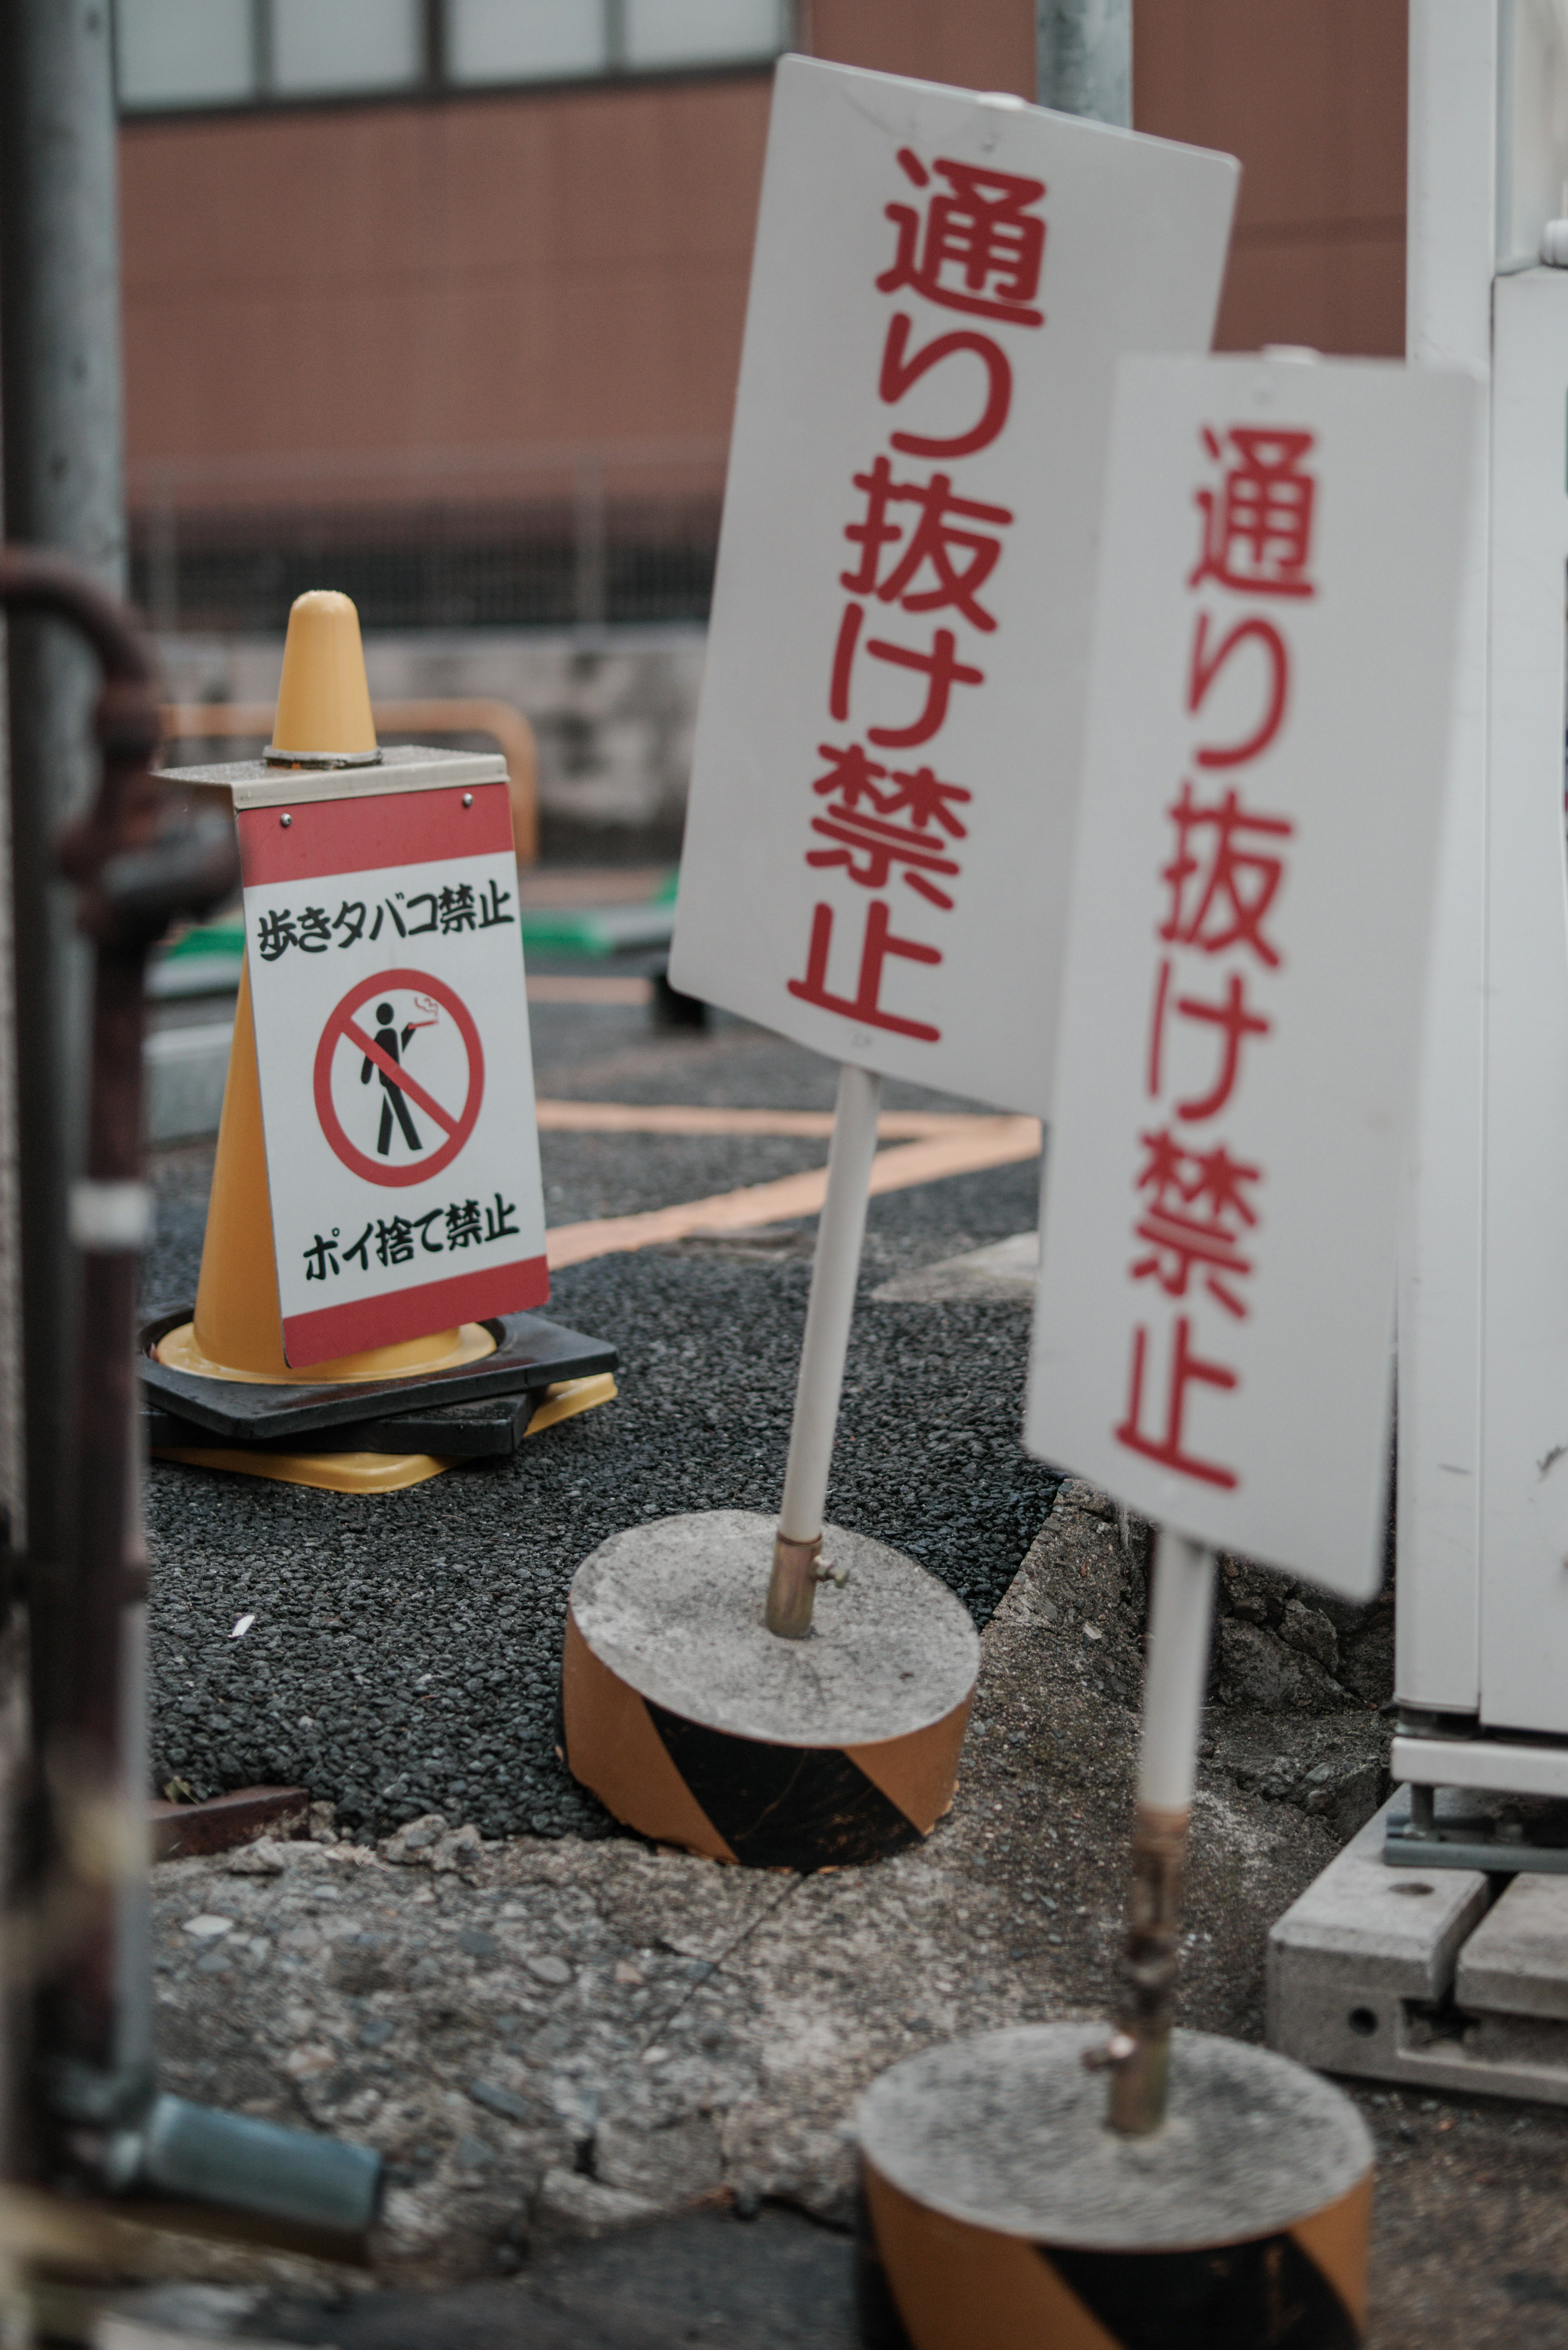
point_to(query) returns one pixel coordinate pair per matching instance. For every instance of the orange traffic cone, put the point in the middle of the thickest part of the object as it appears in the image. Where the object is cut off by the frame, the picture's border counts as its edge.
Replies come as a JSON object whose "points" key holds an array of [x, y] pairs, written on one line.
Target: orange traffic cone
{"points": [[322, 720]]}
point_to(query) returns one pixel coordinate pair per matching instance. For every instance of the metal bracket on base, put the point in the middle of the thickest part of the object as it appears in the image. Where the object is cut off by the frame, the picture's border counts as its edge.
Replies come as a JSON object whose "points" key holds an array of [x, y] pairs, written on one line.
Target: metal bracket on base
{"points": [[1497, 1845], [1505, 1827]]}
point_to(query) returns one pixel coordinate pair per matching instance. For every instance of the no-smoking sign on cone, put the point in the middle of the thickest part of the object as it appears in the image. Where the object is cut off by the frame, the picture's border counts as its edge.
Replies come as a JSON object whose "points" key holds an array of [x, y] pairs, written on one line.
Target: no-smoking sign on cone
{"points": [[375, 1238]]}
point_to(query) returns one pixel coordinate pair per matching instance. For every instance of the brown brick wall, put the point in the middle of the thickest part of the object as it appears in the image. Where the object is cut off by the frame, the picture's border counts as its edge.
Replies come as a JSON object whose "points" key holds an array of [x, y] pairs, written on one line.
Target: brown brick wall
{"points": [[552, 269], [1311, 95], [561, 267]]}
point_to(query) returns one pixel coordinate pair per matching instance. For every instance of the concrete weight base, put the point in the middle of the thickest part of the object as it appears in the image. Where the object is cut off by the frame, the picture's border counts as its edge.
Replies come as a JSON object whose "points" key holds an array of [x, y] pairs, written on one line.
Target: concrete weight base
{"points": [[697, 1726], [1002, 2210]]}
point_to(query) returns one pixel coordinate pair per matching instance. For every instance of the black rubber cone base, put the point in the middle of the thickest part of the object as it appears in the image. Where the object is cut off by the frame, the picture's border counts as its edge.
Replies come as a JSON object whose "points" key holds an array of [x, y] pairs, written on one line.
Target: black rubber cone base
{"points": [[531, 1353], [491, 1428]]}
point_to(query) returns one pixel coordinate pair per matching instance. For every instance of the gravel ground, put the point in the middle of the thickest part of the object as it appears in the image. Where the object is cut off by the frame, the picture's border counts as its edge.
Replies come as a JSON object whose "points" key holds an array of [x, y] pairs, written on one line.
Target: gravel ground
{"points": [[404, 1653], [554, 2039], [567, 2033]]}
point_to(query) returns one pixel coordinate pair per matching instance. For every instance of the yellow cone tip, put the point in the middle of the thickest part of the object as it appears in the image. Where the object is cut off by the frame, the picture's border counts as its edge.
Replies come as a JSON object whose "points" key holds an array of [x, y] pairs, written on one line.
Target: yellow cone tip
{"points": [[323, 695]]}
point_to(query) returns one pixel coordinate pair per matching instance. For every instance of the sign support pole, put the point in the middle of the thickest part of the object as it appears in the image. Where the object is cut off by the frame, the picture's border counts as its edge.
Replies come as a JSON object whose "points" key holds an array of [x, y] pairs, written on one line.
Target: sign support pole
{"points": [[1181, 1609], [840, 1232], [1182, 1391], [683, 1737], [823, 1728]]}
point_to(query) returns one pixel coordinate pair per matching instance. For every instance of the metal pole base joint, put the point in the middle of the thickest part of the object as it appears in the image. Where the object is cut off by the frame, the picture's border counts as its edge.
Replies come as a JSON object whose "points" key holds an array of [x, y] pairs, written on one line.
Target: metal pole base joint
{"points": [[1138, 2058], [791, 1586]]}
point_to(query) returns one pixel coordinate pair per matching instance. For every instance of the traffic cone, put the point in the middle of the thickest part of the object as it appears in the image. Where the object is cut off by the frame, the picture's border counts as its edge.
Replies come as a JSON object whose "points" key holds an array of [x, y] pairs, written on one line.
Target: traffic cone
{"points": [[323, 717], [323, 720]]}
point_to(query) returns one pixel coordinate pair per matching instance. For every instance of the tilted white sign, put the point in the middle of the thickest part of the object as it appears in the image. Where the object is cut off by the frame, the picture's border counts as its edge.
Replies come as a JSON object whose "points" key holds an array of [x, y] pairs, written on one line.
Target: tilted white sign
{"points": [[887, 747], [385, 969], [1262, 791]]}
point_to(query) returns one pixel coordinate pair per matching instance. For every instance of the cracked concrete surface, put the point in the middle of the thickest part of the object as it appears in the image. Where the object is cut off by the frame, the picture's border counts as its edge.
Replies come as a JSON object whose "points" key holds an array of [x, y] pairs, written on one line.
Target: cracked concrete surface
{"points": [[567, 2046], [549, 2035]]}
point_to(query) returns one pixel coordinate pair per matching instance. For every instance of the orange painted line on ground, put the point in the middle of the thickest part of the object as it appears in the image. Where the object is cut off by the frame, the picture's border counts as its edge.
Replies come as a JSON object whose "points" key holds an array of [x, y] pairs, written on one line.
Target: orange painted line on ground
{"points": [[680, 1117], [553, 987], [984, 1142]]}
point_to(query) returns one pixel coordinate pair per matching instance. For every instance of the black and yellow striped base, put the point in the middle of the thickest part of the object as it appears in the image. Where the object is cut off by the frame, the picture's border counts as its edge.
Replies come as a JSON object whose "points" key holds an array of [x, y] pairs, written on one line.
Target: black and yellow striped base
{"points": [[697, 1727], [1002, 2214]]}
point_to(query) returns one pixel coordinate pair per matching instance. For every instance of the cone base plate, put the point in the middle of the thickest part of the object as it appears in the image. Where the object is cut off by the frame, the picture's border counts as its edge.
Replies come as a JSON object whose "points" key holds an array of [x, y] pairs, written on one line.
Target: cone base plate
{"points": [[349, 1470], [529, 1352], [177, 1351], [329, 1472]]}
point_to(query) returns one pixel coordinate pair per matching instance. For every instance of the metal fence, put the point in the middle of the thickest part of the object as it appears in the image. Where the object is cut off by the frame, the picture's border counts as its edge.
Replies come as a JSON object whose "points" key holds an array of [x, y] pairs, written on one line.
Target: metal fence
{"points": [[562, 540]]}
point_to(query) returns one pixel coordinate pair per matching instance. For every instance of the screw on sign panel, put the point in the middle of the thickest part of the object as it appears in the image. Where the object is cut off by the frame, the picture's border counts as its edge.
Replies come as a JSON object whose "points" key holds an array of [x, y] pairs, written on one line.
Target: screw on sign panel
{"points": [[382, 1045]]}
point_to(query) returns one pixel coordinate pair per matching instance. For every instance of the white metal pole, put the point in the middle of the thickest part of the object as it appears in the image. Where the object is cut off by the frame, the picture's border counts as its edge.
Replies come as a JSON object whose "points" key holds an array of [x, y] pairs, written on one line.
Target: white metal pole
{"points": [[839, 1235], [1181, 1607]]}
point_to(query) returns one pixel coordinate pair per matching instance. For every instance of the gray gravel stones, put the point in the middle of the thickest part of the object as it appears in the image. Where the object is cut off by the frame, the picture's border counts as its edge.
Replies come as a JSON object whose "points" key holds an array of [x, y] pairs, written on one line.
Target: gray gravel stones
{"points": [[405, 1654], [1258, 1671], [730, 2018], [475, 2022], [552, 2036], [1283, 1645]]}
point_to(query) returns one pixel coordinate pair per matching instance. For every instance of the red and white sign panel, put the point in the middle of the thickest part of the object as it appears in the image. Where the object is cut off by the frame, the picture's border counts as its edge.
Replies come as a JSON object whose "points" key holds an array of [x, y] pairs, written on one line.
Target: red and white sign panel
{"points": [[1262, 791], [887, 755], [391, 1019]]}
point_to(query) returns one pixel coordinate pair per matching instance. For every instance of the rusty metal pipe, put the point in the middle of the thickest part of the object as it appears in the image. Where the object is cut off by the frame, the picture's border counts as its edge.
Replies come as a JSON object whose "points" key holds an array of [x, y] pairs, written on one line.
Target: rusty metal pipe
{"points": [[102, 2121], [133, 875], [1181, 1610], [1146, 2011]]}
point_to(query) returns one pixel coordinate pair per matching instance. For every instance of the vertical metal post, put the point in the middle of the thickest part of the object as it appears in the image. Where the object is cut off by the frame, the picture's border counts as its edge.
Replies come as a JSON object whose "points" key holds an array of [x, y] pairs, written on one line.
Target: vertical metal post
{"points": [[1181, 1609], [63, 489], [592, 581], [163, 557], [60, 423], [840, 1233], [1084, 58]]}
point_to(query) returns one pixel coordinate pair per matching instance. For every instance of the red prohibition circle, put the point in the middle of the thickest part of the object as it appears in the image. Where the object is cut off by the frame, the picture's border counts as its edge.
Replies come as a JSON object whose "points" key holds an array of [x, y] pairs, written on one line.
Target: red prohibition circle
{"points": [[378, 1170]]}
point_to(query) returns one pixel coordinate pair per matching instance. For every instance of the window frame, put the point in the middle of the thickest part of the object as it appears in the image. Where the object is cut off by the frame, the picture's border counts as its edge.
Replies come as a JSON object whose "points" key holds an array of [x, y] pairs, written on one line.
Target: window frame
{"points": [[434, 82]]}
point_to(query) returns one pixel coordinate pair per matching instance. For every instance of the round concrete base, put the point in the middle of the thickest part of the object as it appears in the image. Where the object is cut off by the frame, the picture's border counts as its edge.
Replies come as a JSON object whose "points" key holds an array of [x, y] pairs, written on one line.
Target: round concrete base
{"points": [[698, 1726], [1002, 2210]]}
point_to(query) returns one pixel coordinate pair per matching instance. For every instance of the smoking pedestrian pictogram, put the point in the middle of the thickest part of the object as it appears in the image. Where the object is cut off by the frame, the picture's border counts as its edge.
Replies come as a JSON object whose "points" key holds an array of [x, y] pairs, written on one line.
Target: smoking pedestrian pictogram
{"points": [[405, 1128]]}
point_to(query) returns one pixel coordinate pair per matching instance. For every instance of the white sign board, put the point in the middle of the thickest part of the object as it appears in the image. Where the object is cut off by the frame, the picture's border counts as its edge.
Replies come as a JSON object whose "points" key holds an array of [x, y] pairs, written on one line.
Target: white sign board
{"points": [[1262, 792], [886, 755], [386, 971]]}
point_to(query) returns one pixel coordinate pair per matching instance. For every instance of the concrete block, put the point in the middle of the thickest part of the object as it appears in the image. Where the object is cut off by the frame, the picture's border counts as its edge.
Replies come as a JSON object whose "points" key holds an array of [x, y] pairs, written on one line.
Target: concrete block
{"points": [[1400, 1974], [1360, 1942], [1516, 1961]]}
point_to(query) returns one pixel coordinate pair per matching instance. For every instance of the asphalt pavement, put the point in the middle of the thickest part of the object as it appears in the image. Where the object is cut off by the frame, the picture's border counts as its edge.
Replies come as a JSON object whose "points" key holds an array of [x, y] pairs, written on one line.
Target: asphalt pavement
{"points": [[404, 1652]]}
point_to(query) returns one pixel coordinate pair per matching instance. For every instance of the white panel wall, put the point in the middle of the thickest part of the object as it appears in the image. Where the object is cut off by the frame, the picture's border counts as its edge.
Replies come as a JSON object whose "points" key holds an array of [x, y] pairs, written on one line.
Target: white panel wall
{"points": [[1452, 201], [1525, 1509]]}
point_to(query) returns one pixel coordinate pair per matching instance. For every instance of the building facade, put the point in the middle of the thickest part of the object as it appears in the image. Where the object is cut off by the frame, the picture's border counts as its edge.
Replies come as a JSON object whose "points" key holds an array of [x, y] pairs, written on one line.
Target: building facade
{"points": [[444, 298]]}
